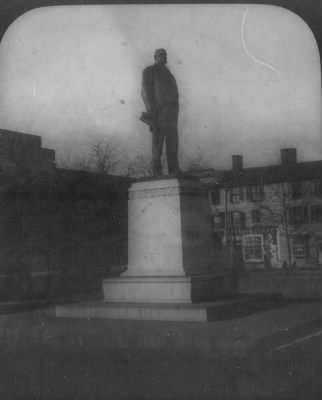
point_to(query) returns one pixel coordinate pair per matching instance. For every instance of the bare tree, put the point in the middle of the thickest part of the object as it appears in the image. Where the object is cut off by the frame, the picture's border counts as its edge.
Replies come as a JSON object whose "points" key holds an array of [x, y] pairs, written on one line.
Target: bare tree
{"points": [[287, 207], [102, 156], [140, 167]]}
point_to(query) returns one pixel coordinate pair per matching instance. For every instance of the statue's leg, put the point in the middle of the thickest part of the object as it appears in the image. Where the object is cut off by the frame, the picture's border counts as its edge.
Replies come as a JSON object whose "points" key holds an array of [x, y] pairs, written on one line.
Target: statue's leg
{"points": [[157, 144], [172, 148]]}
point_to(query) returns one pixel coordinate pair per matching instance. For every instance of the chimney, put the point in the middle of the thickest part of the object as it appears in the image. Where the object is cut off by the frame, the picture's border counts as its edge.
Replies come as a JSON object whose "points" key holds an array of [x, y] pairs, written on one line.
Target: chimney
{"points": [[237, 163], [288, 157]]}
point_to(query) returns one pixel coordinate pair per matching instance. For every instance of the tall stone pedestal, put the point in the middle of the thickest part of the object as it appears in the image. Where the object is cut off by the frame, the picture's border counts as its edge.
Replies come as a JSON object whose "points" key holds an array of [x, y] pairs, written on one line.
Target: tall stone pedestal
{"points": [[170, 256]]}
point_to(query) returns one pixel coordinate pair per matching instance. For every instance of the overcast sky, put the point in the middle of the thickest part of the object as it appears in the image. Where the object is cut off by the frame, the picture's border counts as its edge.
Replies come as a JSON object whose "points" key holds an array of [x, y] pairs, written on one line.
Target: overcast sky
{"points": [[248, 77]]}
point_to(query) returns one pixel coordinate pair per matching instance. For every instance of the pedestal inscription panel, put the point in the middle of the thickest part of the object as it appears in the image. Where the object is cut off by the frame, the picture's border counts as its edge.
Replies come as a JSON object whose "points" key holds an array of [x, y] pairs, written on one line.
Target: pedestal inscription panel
{"points": [[169, 229]]}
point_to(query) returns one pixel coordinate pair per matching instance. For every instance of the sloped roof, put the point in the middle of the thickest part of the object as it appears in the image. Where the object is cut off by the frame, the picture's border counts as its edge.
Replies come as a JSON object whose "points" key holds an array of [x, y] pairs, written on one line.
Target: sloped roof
{"points": [[273, 174]]}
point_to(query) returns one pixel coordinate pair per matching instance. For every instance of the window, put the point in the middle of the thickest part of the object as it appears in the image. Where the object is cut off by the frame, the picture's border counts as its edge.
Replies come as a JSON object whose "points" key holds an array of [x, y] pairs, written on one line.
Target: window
{"points": [[215, 196], [317, 187], [316, 214], [255, 192], [298, 215], [237, 219], [237, 194], [253, 248], [298, 247], [256, 216], [219, 221], [296, 190]]}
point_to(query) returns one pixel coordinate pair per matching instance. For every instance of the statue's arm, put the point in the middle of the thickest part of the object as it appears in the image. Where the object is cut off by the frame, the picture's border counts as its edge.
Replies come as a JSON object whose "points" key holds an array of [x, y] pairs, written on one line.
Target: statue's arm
{"points": [[147, 90]]}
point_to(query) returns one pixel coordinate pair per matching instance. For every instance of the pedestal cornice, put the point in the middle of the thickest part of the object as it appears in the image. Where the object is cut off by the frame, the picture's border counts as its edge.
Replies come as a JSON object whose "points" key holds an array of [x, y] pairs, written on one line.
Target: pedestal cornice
{"points": [[166, 187]]}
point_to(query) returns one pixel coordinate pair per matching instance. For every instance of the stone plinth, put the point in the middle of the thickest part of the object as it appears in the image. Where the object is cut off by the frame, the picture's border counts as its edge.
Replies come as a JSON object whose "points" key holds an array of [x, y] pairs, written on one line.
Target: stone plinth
{"points": [[164, 289], [169, 228], [170, 254]]}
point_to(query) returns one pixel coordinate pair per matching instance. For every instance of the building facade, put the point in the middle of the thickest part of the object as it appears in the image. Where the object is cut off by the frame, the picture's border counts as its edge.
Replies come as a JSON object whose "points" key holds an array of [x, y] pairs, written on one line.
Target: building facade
{"points": [[22, 153], [57, 221], [273, 213]]}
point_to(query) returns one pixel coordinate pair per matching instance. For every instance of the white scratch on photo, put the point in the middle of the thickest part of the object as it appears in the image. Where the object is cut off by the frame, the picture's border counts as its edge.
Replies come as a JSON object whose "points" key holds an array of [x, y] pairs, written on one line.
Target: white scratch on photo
{"points": [[256, 60]]}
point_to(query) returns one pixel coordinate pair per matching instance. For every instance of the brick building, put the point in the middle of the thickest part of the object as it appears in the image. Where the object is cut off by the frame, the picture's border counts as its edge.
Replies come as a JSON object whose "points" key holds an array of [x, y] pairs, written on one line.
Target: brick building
{"points": [[54, 220], [273, 213], [23, 153]]}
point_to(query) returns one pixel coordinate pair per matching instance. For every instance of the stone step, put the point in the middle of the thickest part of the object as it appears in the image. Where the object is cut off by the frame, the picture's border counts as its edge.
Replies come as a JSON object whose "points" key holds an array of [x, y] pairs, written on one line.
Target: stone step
{"points": [[200, 312]]}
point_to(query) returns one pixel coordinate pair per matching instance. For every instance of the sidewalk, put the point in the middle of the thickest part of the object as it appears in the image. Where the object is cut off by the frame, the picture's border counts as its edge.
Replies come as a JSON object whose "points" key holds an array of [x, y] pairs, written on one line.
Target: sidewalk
{"points": [[298, 284], [232, 337], [55, 358]]}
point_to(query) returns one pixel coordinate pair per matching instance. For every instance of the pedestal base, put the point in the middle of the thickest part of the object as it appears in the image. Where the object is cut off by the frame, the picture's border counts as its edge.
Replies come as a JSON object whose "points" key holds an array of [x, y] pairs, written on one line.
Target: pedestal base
{"points": [[136, 311], [164, 289], [236, 306]]}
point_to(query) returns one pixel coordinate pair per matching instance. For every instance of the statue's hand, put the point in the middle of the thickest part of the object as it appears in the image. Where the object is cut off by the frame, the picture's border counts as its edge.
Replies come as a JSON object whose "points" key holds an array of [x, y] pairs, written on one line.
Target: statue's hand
{"points": [[151, 111], [148, 118]]}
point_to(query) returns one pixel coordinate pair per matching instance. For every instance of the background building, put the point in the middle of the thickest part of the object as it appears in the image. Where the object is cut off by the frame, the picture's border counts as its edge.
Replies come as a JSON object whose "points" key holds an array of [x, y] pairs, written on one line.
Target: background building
{"points": [[23, 153], [273, 213], [54, 222]]}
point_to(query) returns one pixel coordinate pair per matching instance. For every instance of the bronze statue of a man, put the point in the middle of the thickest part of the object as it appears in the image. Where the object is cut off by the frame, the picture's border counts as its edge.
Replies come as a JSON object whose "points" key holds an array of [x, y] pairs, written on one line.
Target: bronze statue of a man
{"points": [[161, 99]]}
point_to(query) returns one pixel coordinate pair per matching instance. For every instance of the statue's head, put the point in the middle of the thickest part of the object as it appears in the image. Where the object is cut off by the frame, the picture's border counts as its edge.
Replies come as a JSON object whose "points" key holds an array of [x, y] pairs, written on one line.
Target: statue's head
{"points": [[160, 56]]}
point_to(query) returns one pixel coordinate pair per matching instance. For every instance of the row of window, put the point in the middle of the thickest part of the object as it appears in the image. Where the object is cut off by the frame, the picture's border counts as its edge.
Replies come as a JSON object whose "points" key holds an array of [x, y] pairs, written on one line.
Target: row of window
{"points": [[254, 249], [255, 193], [237, 194], [305, 214], [235, 219], [297, 215], [302, 189]]}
